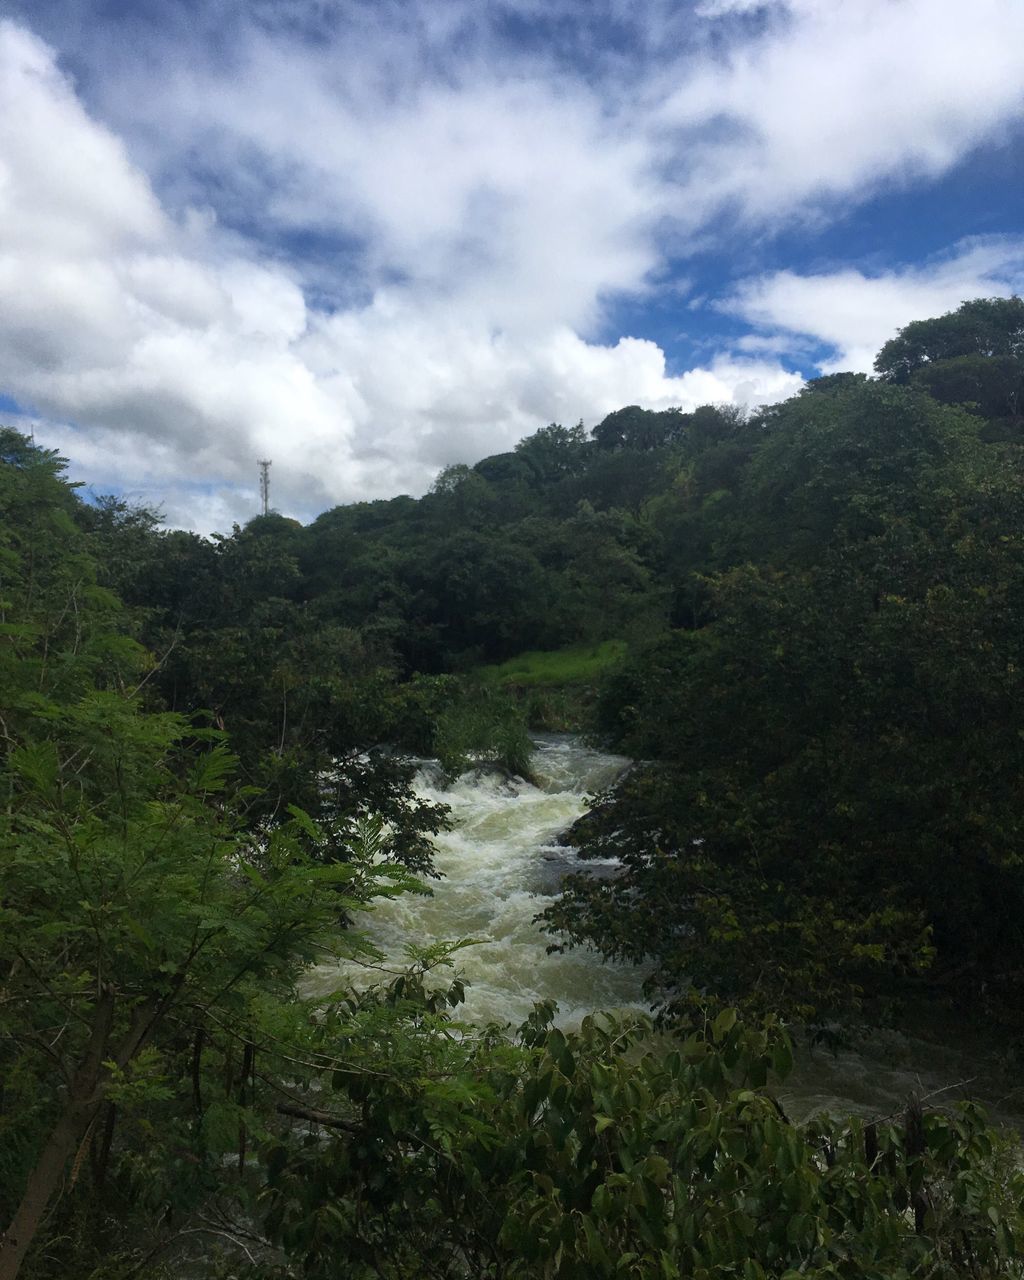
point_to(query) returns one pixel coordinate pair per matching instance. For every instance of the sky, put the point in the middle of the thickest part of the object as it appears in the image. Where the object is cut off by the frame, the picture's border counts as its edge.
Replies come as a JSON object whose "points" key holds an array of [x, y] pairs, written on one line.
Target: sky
{"points": [[367, 239]]}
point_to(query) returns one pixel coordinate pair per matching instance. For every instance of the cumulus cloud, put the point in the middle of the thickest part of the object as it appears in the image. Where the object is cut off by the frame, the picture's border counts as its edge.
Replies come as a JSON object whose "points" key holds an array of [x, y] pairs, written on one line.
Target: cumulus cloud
{"points": [[372, 239], [853, 313], [836, 99], [519, 196], [173, 359], [443, 147], [117, 319]]}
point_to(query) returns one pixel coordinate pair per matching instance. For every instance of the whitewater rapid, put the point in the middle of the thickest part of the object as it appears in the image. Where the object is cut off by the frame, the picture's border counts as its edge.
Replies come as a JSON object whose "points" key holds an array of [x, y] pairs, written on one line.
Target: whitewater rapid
{"points": [[500, 866]]}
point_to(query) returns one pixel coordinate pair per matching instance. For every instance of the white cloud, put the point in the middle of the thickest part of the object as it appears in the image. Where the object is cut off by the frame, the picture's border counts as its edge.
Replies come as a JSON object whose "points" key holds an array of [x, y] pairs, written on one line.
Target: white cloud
{"points": [[49, 195], [176, 360], [854, 313], [418, 228], [179, 358], [517, 195], [834, 99], [451, 158]]}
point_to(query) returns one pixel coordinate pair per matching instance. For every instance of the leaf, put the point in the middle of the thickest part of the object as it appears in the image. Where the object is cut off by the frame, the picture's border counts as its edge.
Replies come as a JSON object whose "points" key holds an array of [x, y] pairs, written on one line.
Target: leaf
{"points": [[555, 1043], [37, 763], [782, 1058], [252, 874], [601, 1201], [723, 1024], [305, 822], [135, 928], [211, 770], [596, 1251]]}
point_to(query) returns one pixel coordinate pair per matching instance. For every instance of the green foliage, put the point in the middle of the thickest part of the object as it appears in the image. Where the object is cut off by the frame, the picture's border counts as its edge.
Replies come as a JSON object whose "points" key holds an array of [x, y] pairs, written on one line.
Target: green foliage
{"points": [[137, 916], [973, 356], [581, 664], [556, 688], [486, 725], [988, 327], [638, 429], [555, 451], [837, 745], [822, 604], [610, 1152], [142, 915], [989, 385], [379, 785]]}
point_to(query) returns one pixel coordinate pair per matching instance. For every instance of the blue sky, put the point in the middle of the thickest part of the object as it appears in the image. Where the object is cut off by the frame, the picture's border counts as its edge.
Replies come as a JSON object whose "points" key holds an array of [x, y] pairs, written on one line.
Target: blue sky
{"points": [[370, 239]]}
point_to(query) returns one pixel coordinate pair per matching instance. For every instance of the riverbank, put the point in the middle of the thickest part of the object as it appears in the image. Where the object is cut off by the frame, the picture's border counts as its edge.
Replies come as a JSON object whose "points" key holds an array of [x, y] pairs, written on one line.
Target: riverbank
{"points": [[557, 688]]}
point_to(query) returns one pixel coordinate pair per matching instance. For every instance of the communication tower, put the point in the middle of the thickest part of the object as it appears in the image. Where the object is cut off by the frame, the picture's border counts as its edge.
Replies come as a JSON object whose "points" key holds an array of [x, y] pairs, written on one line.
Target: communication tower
{"points": [[264, 465]]}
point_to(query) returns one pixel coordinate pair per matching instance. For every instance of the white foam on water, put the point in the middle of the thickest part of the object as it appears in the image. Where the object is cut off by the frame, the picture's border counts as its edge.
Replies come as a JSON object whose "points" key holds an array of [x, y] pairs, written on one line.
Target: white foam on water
{"points": [[492, 863]]}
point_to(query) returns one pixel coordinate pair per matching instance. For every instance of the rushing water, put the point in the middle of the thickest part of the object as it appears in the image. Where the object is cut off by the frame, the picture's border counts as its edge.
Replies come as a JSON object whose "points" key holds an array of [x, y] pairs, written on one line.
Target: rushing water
{"points": [[501, 864]]}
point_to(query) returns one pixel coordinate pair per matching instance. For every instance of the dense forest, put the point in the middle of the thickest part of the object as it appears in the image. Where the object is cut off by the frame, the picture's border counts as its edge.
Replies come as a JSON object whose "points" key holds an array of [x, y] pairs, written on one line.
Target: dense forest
{"points": [[804, 625]]}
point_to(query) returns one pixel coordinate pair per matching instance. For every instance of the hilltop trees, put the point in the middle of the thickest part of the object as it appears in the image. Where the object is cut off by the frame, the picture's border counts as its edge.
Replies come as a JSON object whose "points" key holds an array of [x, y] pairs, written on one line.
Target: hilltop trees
{"points": [[837, 743], [988, 328], [972, 356]]}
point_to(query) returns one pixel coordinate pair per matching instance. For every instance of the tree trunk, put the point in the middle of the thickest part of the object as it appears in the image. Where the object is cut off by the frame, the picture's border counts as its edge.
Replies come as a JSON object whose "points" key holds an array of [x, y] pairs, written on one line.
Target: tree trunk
{"points": [[86, 1096], [43, 1182], [84, 1100]]}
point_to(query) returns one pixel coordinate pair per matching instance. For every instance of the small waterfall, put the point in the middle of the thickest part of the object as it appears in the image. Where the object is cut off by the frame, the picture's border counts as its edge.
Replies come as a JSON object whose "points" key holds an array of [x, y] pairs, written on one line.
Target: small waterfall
{"points": [[500, 864]]}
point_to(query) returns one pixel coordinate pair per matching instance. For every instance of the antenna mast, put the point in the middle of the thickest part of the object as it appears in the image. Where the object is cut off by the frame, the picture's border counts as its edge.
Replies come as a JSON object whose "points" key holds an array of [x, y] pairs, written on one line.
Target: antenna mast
{"points": [[264, 466]]}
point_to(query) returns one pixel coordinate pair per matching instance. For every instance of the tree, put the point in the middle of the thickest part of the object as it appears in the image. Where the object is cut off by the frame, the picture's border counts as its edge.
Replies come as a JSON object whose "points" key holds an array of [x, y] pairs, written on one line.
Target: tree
{"points": [[990, 386], [135, 915], [137, 911], [554, 453], [461, 497], [638, 429], [988, 327], [837, 744]]}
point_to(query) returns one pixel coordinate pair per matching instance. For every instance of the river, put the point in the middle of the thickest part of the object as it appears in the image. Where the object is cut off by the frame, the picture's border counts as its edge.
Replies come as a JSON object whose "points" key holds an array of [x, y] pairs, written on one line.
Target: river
{"points": [[500, 865]]}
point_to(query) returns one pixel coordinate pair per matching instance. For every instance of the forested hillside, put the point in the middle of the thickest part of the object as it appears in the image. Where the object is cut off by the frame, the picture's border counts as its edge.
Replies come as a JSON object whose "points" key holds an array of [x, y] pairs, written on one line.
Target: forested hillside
{"points": [[804, 623], [821, 602]]}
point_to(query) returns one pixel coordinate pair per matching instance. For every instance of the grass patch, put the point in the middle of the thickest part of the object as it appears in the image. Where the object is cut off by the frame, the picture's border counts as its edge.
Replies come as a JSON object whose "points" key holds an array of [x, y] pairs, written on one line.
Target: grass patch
{"points": [[536, 668]]}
